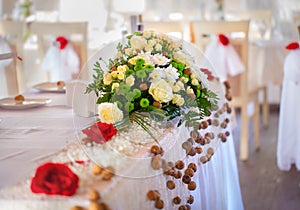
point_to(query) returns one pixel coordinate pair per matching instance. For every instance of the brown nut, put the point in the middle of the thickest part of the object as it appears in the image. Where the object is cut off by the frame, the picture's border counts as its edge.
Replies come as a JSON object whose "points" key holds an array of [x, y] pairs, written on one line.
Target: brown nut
{"points": [[95, 206], [203, 159], [76, 208], [210, 151], [177, 200], [198, 150], [193, 166], [159, 204], [186, 179], [190, 199], [153, 195], [170, 184], [189, 172], [94, 195], [97, 169], [156, 162], [179, 164], [192, 185], [155, 149], [107, 173], [178, 175]]}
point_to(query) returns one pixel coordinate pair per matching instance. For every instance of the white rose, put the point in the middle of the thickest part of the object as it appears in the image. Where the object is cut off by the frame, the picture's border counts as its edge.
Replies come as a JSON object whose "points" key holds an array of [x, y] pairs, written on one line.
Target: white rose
{"points": [[130, 80], [138, 42], [183, 58], [109, 113], [158, 47], [175, 88], [180, 85], [161, 91], [148, 34]]}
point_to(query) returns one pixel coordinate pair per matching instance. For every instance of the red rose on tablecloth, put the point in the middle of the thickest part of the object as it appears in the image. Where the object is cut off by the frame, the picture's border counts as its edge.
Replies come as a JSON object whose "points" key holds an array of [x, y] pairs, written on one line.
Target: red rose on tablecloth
{"points": [[62, 41], [100, 132], [292, 46], [54, 179], [223, 39]]}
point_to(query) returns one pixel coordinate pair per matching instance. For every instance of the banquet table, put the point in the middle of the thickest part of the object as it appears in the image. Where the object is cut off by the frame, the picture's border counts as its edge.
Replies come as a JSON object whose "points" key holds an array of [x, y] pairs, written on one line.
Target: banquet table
{"points": [[34, 136]]}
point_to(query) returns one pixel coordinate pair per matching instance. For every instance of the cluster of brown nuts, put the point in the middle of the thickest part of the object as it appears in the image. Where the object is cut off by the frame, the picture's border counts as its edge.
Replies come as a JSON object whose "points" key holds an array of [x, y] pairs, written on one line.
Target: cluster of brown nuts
{"points": [[95, 202], [154, 195], [106, 173]]}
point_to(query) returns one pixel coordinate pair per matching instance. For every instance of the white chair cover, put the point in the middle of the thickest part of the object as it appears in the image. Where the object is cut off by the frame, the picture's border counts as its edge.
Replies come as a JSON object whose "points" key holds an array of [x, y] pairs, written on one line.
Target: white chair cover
{"points": [[224, 59], [61, 63], [289, 119]]}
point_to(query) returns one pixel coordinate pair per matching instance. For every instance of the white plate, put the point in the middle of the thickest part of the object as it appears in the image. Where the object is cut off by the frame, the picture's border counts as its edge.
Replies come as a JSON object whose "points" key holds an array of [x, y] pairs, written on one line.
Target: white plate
{"points": [[10, 103], [50, 87]]}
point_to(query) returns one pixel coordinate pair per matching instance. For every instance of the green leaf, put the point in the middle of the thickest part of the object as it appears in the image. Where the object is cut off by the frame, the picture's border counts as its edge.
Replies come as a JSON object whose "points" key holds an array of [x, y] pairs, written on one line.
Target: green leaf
{"points": [[105, 98]]}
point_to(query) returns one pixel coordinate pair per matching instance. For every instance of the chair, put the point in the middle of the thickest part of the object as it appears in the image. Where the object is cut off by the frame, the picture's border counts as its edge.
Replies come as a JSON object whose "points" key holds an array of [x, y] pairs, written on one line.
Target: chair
{"points": [[260, 29], [12, 31], [76, 32], [242, 94], [175, 28]]}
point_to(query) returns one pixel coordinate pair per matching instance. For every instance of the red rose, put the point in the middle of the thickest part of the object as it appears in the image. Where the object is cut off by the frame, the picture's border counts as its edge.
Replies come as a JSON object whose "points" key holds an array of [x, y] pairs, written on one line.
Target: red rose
{"points": [[62, 41], [223, 39], [100, 132], [54, 179], [292, 46]]}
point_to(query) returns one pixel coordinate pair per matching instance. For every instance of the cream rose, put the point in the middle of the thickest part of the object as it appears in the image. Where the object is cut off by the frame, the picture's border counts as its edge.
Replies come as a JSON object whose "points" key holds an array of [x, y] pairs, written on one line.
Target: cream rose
{"points": [[109, 113], [115, 85], [178, 100], [161, 91], [130, 80], [121, 76], [107, 79], [195, 82], [138, 42], [114, 74]]}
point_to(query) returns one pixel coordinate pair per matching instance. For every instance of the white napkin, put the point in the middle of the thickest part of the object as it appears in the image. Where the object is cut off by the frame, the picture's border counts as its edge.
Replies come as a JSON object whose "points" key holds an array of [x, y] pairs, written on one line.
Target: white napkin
{"points": [[292, 66], [224, 59], [61, 63]]}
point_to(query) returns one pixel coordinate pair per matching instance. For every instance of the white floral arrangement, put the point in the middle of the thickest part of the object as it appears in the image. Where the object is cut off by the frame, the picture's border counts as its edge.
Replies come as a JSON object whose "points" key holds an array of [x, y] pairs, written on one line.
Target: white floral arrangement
{"points": [[151, 77]]}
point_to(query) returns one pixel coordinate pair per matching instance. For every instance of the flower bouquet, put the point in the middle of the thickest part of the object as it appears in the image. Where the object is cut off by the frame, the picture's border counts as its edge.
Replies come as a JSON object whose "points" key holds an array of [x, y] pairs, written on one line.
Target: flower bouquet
{"points": [[151, 79]]}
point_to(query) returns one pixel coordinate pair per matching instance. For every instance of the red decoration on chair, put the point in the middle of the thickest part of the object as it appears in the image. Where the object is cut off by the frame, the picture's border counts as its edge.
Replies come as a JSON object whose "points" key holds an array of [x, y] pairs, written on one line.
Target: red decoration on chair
{"points": [[62, 41], [223, 39], [292, 46]]}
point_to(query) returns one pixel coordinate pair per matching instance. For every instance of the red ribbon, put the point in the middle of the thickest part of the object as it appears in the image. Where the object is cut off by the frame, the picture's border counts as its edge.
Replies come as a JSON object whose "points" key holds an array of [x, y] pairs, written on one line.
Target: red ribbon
{"points": [[292, 46], [62, 41], [223, 39]]}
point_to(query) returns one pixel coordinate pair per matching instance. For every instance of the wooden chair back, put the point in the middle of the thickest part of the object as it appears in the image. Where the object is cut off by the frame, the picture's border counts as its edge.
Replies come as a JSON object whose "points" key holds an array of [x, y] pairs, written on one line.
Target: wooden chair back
{"points": [[75, 32], [13, 31], [175, 28]]}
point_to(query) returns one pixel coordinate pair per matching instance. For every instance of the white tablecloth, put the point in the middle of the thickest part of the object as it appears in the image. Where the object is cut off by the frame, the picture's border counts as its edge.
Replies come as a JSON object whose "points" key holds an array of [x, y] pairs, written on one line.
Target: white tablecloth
{"points": [[29, 136]]}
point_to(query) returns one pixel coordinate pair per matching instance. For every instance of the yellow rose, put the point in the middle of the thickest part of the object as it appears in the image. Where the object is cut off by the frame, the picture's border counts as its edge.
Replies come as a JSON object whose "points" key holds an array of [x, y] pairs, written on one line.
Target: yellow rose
{"points": [[114, 74], [130, 80], [122, 69], [107, 79], [121, 76], [115, 85], [161, 91], [109, 113], [132, 60]]}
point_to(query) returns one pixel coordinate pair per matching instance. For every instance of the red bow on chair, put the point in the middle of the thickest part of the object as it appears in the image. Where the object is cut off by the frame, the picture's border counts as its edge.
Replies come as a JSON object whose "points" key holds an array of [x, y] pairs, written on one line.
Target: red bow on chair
{"points": [[292, 46], [62, 41], [223, 39]]}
